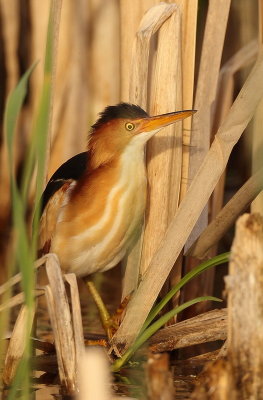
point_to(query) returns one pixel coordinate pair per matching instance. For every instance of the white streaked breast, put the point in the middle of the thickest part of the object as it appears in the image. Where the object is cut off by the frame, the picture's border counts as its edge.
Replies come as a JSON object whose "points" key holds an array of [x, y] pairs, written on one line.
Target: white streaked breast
{"points": [[132, 186]]}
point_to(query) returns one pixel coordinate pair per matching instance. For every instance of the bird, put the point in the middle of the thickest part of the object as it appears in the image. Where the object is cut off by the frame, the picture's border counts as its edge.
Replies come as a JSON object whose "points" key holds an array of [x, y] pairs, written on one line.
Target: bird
{"points": [[93, 205]]}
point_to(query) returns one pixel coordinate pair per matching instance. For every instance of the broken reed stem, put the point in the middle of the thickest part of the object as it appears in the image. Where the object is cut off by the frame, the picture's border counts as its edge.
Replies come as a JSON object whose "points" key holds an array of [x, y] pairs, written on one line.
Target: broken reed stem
{"points": [[224, 99], [164, 151], [131, 13], [17, 343], [212, 48], [76, 316], [189, 210], [150, 23], [50, 66], [227, 216], [245, 304], [257, 137], [61, 321], [189, 21]]}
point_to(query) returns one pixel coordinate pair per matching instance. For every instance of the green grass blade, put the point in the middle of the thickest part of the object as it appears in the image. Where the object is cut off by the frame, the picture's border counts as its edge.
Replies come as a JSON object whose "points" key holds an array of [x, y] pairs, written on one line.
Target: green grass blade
{"points": [[220, 259], [144, 336], [12, 110]]}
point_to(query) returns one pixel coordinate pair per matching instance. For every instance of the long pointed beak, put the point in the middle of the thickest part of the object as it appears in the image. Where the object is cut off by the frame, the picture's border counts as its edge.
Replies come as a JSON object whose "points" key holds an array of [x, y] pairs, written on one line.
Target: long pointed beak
{"points": [[159, 121]]}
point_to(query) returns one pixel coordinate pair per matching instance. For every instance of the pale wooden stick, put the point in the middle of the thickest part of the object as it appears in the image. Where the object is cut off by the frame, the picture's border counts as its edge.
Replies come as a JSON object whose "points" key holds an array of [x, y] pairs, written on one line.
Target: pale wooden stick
{"points": [[245, 304], [227, 216], [17, 342], [189, 210], [212, 48], [60, 317]]}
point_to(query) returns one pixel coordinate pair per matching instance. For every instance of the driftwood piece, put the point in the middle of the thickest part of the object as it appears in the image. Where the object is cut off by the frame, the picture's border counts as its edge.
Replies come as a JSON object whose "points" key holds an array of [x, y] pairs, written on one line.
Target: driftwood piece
{"points": [[206, 327], [245, 287]]}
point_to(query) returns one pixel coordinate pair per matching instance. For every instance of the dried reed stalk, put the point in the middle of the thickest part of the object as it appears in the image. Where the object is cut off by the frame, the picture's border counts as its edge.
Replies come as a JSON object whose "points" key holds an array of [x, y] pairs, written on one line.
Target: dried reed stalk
{"points": [[224, 99], [212, 48], [164, 151], [225, 94], [61, 322], [76, 316], [167, 19], [18, 299], [9, 11], [189, 210], [131, 12], [37, 48], [207, 327], [18, 277], [245, 304], [189, 21], [104, 56], [17, 342], [151, 22], [70, 115], [159, 378], [227, 216], [257, 139]]}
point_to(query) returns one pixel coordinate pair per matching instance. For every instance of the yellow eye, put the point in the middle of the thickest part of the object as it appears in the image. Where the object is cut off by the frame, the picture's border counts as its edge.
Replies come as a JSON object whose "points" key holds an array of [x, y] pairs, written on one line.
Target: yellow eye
{"points": [[129, 126]]}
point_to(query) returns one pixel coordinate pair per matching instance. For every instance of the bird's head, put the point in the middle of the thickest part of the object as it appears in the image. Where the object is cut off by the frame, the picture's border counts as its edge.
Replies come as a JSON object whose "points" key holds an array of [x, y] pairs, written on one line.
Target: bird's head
{"points": [[122, 124]]}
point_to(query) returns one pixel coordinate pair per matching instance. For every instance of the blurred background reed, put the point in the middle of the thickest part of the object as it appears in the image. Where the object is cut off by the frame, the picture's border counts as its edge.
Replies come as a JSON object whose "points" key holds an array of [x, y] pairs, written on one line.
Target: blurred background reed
{"points": [[94, 68]]}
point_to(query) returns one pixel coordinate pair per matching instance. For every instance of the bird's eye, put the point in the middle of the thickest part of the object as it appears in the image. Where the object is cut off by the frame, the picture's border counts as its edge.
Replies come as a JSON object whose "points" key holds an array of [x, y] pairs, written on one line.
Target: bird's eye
{"points": [[129, 126]]}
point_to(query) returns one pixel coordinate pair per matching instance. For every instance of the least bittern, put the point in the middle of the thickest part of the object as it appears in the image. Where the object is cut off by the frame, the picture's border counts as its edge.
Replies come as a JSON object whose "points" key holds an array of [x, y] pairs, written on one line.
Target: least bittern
{"points": [[95, 202]]}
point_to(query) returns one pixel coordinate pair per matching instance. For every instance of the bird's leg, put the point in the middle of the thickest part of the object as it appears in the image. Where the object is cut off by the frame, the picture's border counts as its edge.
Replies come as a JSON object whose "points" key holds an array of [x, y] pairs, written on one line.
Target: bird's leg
{"points": [[107, 321]]}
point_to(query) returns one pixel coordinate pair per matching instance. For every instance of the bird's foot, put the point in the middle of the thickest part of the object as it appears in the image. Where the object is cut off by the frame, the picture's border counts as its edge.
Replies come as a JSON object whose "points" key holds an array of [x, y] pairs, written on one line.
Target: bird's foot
{"points": [[109, 323]]}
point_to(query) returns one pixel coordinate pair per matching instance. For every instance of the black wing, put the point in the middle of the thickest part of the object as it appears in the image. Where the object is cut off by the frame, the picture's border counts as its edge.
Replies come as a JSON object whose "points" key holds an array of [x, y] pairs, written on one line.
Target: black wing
{"points": [[71, 169]]}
